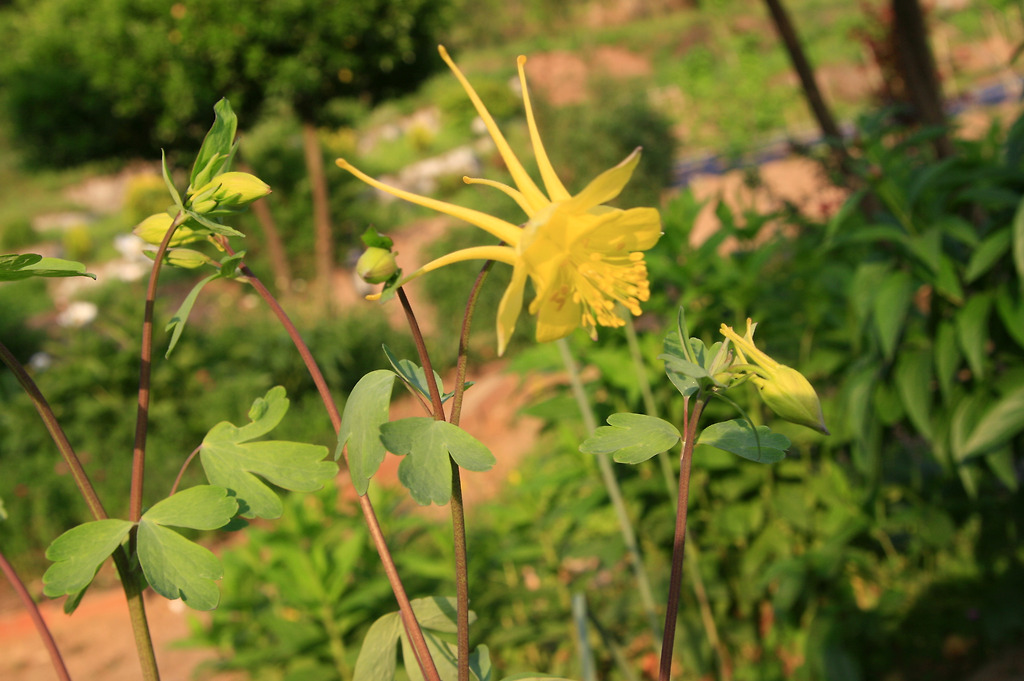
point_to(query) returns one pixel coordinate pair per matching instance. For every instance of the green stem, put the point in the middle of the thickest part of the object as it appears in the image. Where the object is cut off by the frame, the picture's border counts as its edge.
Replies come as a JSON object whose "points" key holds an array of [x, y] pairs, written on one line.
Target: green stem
{"points": [[456, 505], [611, 485], [137, 615], [37, 618], [412, 626], [690, 420]]}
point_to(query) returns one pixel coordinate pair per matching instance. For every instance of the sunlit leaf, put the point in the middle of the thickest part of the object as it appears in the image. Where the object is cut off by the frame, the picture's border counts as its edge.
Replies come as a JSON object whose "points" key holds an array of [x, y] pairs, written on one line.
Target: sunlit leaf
{"points": [[426, 445], [16, 266], [231, 461], [632, 438], [366, 410], [78, 553]]}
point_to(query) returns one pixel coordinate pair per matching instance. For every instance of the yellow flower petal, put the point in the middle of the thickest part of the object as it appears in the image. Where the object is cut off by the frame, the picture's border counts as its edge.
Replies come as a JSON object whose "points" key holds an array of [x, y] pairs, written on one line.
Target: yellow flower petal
{"points": [[509, 308], [556, 190], [522, 179], [505, 231], [605, 186]]}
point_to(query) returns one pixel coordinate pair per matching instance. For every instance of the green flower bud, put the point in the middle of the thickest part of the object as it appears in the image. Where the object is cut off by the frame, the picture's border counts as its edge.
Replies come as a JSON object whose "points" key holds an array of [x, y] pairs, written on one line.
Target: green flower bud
{"points": [[376, 265], [783, 388], [152, 231], [187, 258], [228, 193]]}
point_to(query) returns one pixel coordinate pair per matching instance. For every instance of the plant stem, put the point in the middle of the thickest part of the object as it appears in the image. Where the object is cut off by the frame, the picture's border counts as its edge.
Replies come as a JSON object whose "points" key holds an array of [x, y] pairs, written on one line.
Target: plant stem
{"points": [[145, 369], [37, 618], [412, 626], [60, 439], [611, 485], [693, 557], [690, 420], [137, 615], [456, 505]]}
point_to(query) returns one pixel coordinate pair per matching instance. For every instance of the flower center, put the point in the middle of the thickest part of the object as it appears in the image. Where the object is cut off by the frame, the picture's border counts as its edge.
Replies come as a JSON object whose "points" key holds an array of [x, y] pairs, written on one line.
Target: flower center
{"points": [[604, 282]]}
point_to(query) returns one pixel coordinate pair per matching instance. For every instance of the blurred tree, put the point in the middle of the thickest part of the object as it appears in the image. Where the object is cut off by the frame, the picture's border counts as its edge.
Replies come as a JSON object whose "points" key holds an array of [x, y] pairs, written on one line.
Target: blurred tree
{"points": [[90, 79]]}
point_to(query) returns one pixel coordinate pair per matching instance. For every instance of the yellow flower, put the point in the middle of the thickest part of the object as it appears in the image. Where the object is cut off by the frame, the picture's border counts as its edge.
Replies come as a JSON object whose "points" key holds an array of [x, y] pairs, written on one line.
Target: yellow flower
{"points": [[585, 259], [783, 388]]}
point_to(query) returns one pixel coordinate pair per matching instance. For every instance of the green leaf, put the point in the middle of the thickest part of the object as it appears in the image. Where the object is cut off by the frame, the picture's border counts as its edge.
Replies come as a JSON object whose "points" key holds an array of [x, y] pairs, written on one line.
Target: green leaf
{"points": [[947, 281], [203, 507], [178, 568], [738, 436], [174, 566], [632, 438], [1018, 243], [913, 377], [972, 331], [170, 183], [376, 661], [947, 358], [15, 267], [891, 305], [1003, 463], [215, 227], [217, 148], [373, 239], [426, 445], [415, 376], [231, 461], [366, 410], [78, 553], [177, 323], [1011, 311], [996, 425], [987, 254]]}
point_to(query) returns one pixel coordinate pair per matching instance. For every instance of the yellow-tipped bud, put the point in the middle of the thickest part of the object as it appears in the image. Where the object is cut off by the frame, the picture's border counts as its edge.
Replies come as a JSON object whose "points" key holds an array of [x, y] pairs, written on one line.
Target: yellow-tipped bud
{"points": [[228, 193], [376, 265], [153, 229], [187, 258], [783, 388]]}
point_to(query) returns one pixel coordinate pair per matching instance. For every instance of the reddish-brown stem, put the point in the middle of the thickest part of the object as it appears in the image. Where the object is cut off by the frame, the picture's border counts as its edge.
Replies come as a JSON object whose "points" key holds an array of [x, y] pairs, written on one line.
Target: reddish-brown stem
{"points": [[37, 618], [456, 504], [81, 478], [412, 627], [145, 369], [181, 471], [690, 420]]}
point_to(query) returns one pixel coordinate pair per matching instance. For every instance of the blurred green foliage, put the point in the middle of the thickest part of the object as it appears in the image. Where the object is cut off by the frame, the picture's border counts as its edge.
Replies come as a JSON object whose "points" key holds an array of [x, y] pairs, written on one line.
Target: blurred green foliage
{"points": [[118, 78]]}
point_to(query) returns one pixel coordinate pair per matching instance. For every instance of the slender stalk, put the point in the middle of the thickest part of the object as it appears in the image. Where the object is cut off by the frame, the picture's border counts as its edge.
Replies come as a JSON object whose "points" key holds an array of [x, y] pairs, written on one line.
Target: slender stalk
{"points": [[693, 556], [458, 507], [60, 439], [690, 420], [412, 626], [37, 618], [137, 615], [612, 487], [458, 510], [145, 369]]}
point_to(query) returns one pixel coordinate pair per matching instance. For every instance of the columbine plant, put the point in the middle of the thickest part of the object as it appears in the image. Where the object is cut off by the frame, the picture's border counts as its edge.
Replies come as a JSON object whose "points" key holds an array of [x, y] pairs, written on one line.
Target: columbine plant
{"points": [[585, 262]]}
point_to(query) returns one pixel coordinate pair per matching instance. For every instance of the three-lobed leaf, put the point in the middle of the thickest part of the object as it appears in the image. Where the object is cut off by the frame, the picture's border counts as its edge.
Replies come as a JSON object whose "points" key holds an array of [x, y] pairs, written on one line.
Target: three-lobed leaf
{"points": [[232, 461], [426, 445], [174, 566], [632, 438]]}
